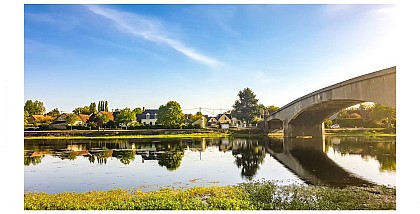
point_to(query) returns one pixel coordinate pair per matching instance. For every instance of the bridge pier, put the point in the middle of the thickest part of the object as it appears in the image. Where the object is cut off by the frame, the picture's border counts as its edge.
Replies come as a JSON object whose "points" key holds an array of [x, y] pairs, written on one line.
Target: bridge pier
{"points": [[303, 130]]}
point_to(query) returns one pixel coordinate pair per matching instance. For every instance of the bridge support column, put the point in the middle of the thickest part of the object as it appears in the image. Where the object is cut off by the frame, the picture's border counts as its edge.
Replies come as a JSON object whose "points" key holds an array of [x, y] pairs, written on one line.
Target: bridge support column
{"points": [[303, 130]]}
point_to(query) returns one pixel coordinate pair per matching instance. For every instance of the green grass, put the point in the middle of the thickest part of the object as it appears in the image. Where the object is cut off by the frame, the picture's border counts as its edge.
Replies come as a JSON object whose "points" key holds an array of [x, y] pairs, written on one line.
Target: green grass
{"points": [[247, 196], [158, 136], [355, 133]]}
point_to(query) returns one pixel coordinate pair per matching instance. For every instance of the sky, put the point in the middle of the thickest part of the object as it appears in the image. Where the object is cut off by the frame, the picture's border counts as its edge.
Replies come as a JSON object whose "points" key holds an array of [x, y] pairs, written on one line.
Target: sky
{"points": [[199, 55]]}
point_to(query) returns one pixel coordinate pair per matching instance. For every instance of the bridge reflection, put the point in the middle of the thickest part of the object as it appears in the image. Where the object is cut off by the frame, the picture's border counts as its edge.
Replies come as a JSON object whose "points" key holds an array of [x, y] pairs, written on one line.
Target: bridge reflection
{"points": [[307, 159]]}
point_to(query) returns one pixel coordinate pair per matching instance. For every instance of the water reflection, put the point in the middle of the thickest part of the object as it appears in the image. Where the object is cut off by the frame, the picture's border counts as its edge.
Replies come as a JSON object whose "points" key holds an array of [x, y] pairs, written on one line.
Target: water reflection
{"points": [[315, 161], [249, 155], [383, 150]]}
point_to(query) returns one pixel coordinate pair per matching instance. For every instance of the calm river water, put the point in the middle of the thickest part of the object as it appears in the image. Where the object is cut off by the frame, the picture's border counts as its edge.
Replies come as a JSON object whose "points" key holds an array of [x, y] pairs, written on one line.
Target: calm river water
{"points": [[55, 166]]}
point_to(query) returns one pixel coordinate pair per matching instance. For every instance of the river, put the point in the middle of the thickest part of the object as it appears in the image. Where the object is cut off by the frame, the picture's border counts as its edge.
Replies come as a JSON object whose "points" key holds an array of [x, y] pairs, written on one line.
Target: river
{"points": [[56, 166]]}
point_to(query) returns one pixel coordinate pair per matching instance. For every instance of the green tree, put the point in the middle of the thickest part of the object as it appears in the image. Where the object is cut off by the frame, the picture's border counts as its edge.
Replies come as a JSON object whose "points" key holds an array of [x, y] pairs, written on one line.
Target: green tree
{"points": [[92, 108], [273, 108], [383, 114], [246, 108], [34, 108], [342, 114], [25, 117], [196, 116], [103, 106], [138, 110], [365, 106], [126, 116], [71, 119], [170, 115], [82, 110], [54, 113], [102, 119], [328, 123]]}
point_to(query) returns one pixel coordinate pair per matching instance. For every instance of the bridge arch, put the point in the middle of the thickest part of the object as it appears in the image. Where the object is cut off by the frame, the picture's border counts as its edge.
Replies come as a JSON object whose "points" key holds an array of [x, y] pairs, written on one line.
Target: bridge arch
{"points": [[305, 115]]}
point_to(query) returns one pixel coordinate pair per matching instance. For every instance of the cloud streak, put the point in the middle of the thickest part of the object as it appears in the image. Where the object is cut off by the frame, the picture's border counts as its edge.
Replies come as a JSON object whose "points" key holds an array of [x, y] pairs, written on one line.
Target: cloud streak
{"points": [[151, 30]]}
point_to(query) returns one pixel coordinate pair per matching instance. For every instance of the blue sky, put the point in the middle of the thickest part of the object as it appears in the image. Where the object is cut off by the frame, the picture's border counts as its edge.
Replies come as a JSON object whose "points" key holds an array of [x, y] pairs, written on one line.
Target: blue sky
{"points": [[198, 55]]}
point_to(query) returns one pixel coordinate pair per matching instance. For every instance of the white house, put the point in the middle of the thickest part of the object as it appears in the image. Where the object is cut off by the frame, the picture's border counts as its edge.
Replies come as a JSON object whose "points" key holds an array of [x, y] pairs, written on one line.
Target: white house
{"points": [[148, 117]]}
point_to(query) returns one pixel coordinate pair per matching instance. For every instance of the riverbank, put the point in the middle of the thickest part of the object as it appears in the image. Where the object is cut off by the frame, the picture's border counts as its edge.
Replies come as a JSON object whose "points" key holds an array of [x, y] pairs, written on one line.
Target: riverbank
{"points": [[187, 133], [246, 196]]}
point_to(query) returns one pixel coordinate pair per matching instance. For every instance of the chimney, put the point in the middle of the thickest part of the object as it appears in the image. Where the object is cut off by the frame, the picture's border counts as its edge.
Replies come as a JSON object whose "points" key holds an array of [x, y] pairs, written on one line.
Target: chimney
{"points": [[143, 108]]}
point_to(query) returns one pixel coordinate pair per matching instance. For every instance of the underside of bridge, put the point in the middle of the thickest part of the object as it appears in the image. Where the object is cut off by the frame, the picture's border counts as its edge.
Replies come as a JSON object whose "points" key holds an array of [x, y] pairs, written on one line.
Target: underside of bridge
{"points": [[310, 121]]}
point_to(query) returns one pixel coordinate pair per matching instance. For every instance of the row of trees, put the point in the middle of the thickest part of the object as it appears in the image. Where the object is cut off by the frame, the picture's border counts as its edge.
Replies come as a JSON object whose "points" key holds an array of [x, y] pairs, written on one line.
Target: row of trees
{"points": [[170, 115], [378, 114]]}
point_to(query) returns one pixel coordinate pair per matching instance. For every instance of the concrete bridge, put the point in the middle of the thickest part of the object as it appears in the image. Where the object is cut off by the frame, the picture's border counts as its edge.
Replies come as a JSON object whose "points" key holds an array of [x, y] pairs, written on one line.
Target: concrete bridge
{"points": [[307, 159], [305, 115]]}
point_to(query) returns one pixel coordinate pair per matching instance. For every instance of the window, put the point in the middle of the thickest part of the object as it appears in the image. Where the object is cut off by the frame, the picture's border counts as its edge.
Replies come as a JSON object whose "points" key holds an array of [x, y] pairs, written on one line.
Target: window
{"points": [[147, 116]]}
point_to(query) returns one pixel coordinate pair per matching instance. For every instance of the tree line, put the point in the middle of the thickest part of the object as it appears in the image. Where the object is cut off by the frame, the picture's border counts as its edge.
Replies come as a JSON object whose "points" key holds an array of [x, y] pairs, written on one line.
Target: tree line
{"points": [[246, 109]]}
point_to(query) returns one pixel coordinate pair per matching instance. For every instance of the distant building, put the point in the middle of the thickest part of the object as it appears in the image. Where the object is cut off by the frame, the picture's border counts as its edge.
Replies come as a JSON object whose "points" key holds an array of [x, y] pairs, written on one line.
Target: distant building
{"points": [[60, 122], [39, 119], [200, 122], [148, 117], [223, 121]]}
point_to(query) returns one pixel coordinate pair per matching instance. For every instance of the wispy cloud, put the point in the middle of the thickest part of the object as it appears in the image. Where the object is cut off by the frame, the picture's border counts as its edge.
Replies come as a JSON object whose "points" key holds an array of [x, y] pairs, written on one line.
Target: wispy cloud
{"points": [[151, 30], [262, 78]]}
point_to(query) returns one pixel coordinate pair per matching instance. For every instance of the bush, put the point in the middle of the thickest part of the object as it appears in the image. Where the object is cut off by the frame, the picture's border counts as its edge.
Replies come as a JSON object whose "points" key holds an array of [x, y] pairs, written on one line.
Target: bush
{"points": [[352, 122]]}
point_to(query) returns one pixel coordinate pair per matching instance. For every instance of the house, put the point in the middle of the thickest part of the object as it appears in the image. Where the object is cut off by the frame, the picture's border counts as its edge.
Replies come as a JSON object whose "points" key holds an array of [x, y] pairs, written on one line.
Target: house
{"points": [[60, 122], [212, 122], [223, 121], [148, 117], [200, 122], [39, 119], [96, 119]]}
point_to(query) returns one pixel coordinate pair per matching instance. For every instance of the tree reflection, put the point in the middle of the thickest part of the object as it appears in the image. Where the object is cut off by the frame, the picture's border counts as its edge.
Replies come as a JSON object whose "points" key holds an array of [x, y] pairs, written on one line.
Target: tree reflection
{"points": [[248, 157], [100, 156], [171, 159], [70, 155], [125, 156], [383, 152], [32, 160]]}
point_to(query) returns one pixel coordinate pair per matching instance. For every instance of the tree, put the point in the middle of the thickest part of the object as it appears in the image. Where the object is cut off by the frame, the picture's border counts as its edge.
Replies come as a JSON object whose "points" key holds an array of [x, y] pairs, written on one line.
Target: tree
{"points": [[126, 116], [102, 119], [328, 123], [71, 119], [273, 108], [92, 108], [54, 113], [170, 115], [138, 110], [196, 116], [25, 118], [34, 108], [246, 108], [342, 114], [103, 106], [365, 106], [82, 110], [383, 114]]}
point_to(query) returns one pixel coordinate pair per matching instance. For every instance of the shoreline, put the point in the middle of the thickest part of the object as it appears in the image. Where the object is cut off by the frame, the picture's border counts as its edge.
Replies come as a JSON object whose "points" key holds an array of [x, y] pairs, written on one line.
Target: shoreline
{"points": [[170, 133]]}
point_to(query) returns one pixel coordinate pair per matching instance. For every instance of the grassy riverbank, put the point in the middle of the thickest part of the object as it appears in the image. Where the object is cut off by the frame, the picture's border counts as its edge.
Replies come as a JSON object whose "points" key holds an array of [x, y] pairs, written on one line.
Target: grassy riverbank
{"points": [[191, 133], [363, 132], [154, 136], [246, 196]]}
